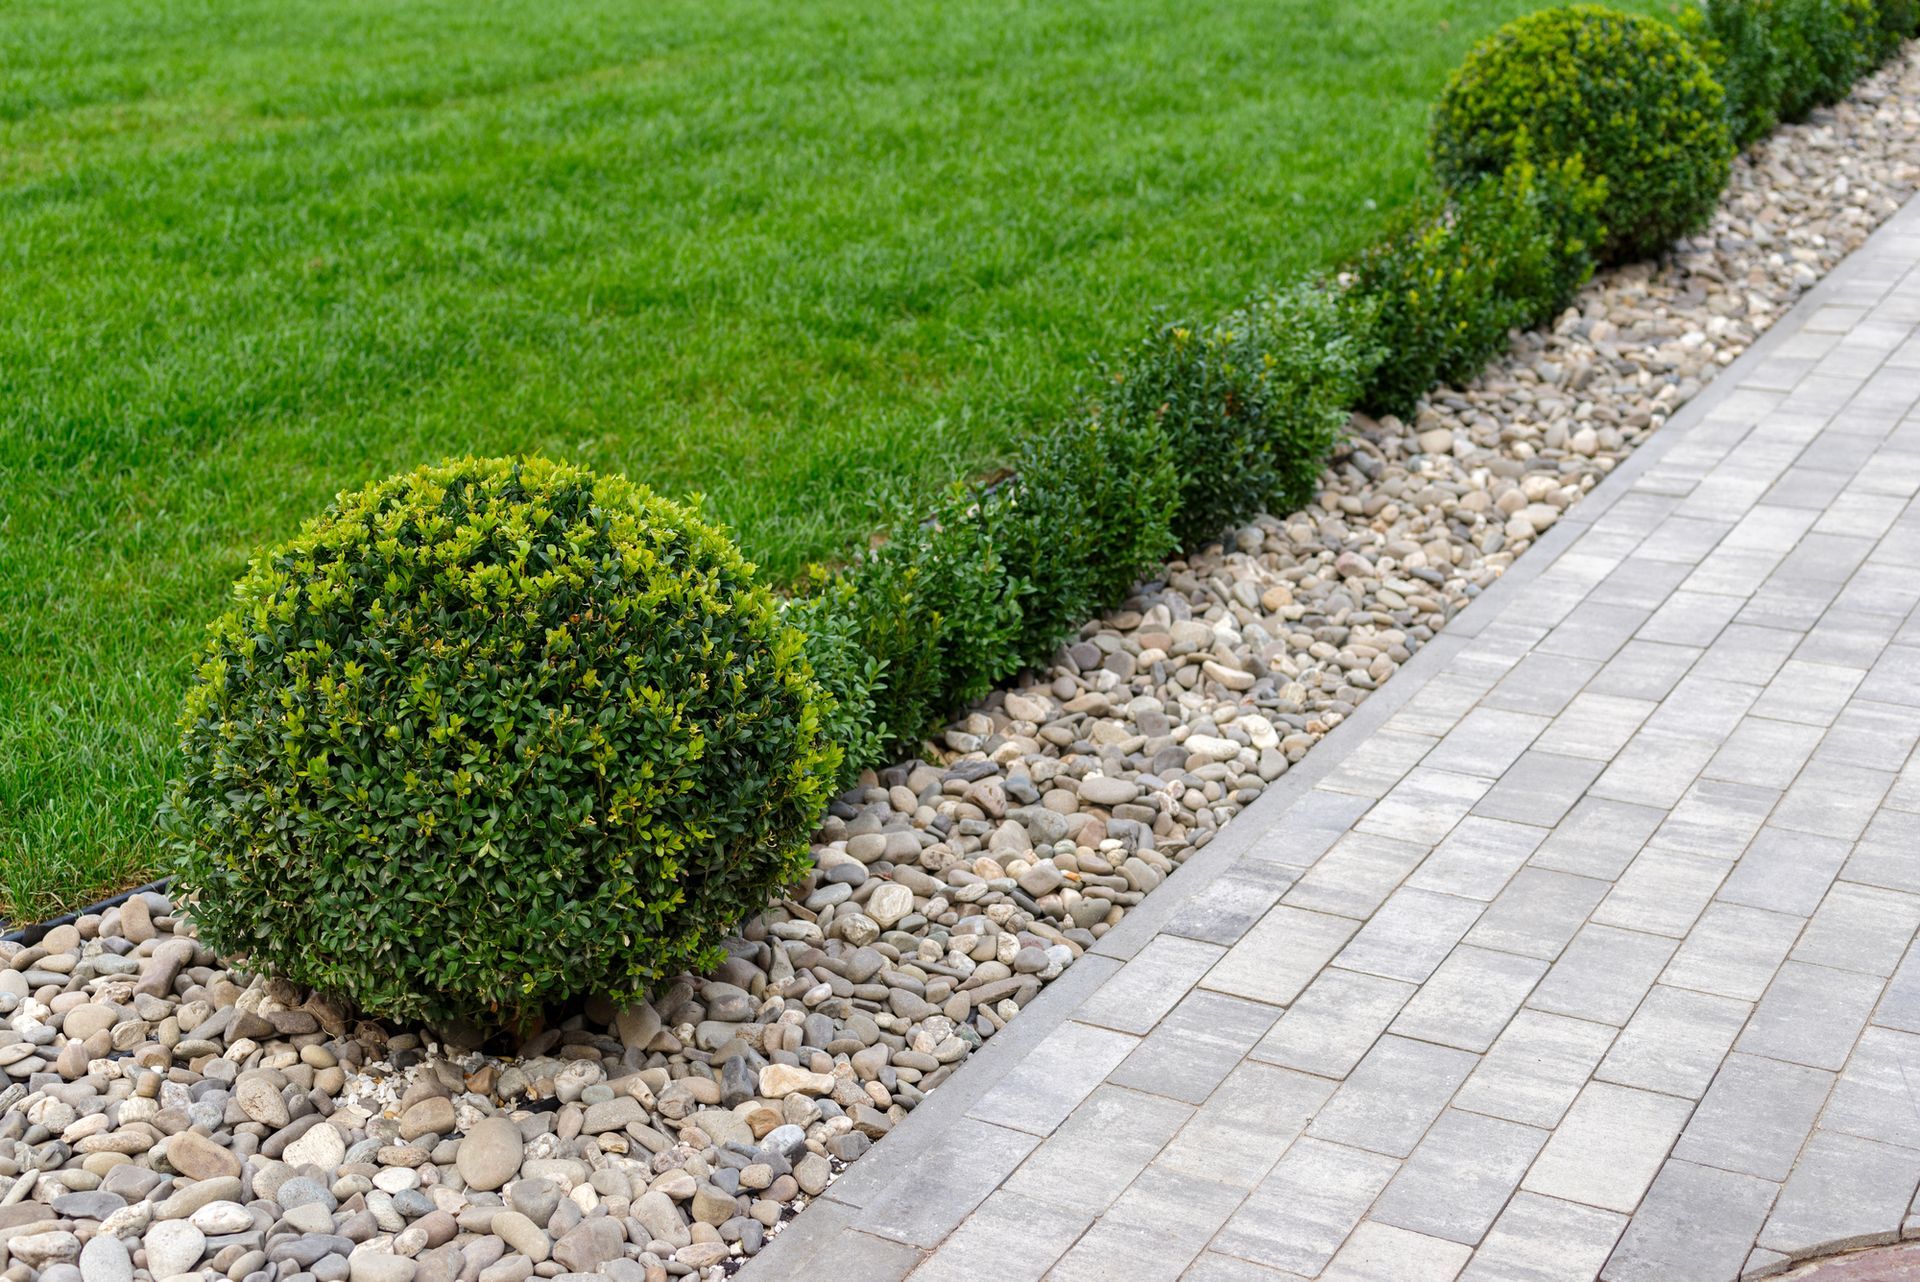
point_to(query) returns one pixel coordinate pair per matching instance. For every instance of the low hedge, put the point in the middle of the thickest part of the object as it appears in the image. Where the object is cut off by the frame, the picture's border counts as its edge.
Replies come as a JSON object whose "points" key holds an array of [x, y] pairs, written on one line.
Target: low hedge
{"points": [[1442, 290], [1780, 59]]}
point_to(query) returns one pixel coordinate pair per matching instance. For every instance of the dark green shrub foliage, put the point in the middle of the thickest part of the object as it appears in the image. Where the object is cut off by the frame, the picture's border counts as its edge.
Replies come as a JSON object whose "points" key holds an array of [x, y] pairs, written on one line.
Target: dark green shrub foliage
{"points": [[1779, 59], [1441, 293], [1736, 40], [1250, 406], [930, 614], [494, 733], [1823, 46], [1626, 94], [1088, 511]]}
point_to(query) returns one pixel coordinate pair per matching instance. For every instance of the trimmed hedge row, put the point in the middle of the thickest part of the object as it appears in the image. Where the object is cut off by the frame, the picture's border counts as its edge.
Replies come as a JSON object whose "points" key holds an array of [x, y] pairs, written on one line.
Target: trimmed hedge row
{"points": [[1571, 138]]}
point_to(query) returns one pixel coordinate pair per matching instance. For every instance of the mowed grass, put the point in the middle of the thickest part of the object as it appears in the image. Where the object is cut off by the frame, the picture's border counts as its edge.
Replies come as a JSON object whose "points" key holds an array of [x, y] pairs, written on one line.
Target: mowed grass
{"points": [[784, 254]]}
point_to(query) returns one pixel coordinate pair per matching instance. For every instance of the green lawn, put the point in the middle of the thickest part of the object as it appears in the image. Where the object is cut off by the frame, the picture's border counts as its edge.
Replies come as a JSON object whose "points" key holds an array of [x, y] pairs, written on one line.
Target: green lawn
{"points": [[782, 252]]}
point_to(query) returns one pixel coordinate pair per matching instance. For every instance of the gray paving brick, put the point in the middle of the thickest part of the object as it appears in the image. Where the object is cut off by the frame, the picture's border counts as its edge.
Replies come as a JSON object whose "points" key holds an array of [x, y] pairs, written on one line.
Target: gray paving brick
{"points": [[1716, 818], [1280, 955], [1469, 1000], [1545, 1239], [1696, 1223], [1152, 1233], [1054, 1078], [1654, 769], [1675, 1042], [1764, 753], [1603, 974], [1542, 683], [1595, 630], [1662, 893], [1232, 903], [1809, 693], [1747, 653], [1900, 1002], [1863, 928], [1195, 1046], [1689, 619], [1478, 858], [1733, 951], [1539, 788], [1641, 582], [952, 1178], [1832, 800], [1875, 1096], [1684, 539], [852, 1254], [1356, 875], [1847, 637], [1872, 736], [1096, 1153], [1644, 670], [1150, 984], [1382, 1253], [1388, 1101], [1306, 1207], [1811, 1015], [1535, 1068], [1885, 855], [1012, 1237], [1410, 935], [1486, 742], [1755, 1116], [1608, 1147], [1844, 1192], [1460, 1177], [1594, 725], [1599, 837], [1382, 761], [1894, 678], [1310, 826], [1211, 1266], [1732, 572], [1334, 1023], [1785, 872], [1702, 708], [1240, 1132], [1538, 913], [1425, 806]]}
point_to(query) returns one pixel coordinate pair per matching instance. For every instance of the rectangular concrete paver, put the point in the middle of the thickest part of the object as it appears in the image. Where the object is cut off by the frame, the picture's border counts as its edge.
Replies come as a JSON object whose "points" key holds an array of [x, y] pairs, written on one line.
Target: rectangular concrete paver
{"points": [[1591, 955]]}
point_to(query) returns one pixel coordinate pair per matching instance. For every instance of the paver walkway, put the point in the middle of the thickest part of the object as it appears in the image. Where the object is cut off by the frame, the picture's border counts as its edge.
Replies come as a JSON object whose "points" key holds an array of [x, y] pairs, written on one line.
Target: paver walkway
{"points": [[1589, 950]]}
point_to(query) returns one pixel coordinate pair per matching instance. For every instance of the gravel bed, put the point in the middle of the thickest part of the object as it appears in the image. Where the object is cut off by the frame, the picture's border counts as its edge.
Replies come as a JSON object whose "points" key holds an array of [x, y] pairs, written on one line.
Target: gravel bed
{"points": [[168, 1117]]}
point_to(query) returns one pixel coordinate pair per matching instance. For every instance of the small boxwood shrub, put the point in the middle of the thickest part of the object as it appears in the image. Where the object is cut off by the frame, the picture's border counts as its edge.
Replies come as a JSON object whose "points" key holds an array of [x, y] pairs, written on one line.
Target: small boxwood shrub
{"points": [[1250, 405], [491, 734], [1626, 94], [931, 615], [1822, 46], [1441, 293], [1088, 510], [1736, 40]]}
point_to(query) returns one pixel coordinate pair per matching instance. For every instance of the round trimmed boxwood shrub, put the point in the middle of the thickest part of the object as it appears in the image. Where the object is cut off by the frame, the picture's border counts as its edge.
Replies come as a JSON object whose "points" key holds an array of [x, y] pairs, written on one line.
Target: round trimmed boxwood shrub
{"points": [[1626, 94], [493, 734]]}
